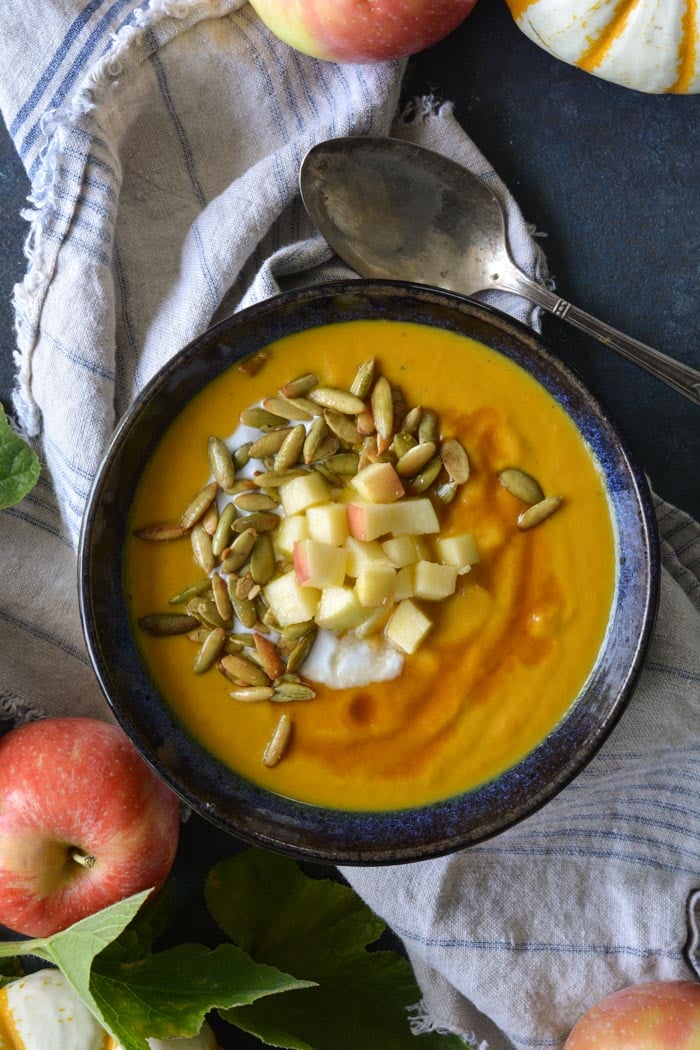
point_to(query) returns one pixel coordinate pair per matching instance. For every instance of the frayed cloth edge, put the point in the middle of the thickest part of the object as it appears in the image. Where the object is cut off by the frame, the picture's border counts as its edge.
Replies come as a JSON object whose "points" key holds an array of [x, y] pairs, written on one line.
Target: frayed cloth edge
{"points": [[421, 1023]]}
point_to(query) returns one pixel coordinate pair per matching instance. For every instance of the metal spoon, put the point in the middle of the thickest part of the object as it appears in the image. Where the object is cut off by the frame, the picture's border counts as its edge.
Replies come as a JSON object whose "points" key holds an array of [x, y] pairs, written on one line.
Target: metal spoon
{"points": [[395, 210]]}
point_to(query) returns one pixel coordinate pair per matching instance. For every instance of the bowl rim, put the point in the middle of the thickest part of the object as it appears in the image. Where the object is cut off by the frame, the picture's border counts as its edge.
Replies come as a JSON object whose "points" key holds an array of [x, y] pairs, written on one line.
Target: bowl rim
{"points": [[374, 852]]}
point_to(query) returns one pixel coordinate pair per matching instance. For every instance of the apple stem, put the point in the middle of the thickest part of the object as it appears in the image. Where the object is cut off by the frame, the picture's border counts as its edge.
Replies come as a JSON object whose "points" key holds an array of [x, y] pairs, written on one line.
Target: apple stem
{"points": [[88, 860]]}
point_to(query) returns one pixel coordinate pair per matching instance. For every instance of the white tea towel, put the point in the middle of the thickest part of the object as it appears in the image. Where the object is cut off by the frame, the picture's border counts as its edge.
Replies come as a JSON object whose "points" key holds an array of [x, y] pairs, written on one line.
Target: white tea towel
{"points": [[163, 144]]}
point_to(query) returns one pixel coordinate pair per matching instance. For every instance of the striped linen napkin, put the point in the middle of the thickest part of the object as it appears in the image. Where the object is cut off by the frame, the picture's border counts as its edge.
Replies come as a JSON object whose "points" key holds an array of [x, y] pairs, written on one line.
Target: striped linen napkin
{"points": [[163, 144]]}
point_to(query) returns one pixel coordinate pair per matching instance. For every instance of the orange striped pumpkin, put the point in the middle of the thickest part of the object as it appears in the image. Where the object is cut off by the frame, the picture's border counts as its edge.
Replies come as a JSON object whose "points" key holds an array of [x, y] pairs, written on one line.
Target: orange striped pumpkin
{"points": [[649, 45]]}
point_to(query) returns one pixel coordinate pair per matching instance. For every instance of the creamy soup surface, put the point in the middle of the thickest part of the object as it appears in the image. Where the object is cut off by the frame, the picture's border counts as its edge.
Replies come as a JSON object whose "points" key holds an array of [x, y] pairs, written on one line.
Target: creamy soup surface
{"points": [[507, 654]]}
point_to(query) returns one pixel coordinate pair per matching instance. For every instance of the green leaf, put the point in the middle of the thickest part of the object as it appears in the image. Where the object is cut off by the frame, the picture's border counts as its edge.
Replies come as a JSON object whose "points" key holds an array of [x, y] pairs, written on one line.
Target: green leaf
{"points": [[319, 930], [168, 994], [19, 466]]}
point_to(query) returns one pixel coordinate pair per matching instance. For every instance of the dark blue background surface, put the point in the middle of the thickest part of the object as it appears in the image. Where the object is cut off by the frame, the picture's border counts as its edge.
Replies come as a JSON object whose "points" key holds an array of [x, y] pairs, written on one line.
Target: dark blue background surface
{"points": [[611, 176]]}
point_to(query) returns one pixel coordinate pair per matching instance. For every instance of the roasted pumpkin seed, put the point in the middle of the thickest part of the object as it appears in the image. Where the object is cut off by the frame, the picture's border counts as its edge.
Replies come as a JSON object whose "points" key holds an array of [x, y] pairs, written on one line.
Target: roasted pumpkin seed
{"points": [[402, 443], [244, 670], [288, 692], [292, 448], [165, 624], [446, 492], [243, 608], [328, 447], [315, 435], [270, 659], [253, 695], [344, 463], [260, 521], [210, 519], [209, 650], [427, 476], [272, 479], [221, 597], [204, 609], [428, 428], [294, 631], [343, 427], [202, 548], [222, 535], [300, 386], [262, 560], [221, 463], [415, 459], [521, 485], [412, 419], [365, 423], [362, 382], [539, 512], [268, 444], [198, 506], [159, 533], [234, 556], [279, 742], [300, 651], [282, 407], [193, 591], [261, 419], [455, 460], [338, 400], [241, 455], [256, 501], [383, 408], [252, 365]]}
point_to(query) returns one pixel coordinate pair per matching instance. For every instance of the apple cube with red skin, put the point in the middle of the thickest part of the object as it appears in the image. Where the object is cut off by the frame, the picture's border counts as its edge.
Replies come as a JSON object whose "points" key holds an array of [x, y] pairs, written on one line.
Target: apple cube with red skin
{"points": [[289, 602], [363, 555], [434, 582], [319, 564], [305, 491], [375, 586], [368, 521], [460, 551], [339, 609], [408, 626], [289, 531], [379, 483], [84, 822], [328, 523]]}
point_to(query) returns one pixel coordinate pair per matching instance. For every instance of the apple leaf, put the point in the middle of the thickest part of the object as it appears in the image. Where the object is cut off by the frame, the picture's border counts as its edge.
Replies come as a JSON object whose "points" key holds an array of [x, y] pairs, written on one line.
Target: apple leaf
{"points": [[168, 994], [319, 930], [19, 466]]}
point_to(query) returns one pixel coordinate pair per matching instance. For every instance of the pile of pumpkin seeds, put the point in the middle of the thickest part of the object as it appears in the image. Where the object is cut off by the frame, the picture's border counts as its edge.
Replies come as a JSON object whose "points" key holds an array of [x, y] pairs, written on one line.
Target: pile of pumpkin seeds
{"points": [[231, 522]]}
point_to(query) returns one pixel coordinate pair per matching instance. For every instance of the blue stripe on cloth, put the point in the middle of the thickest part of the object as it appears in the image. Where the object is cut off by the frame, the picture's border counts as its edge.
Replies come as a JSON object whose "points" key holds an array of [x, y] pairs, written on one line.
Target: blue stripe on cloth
{"points": [[29, 519], [562, 947], [75, 358], [675, 672], [602, 834], [76, 70], [184, 141], [44, 636], [86, 475], [80, 246], [132, 347], [45, 79], [580, 854], [596, 813]]}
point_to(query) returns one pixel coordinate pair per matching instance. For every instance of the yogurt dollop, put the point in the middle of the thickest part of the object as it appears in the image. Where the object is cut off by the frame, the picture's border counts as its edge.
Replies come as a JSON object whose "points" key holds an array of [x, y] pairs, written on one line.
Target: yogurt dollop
{"points": [[343, 662]]}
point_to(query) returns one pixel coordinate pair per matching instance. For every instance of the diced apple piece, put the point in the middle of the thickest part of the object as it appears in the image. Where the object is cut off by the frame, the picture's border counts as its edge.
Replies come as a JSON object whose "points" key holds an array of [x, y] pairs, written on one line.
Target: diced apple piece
{"points": [[405, 583], [339, 609], [413, 517], [305, 491], [328, 523], [434, 582], [460, 550], [289, 602], [408, 626], [289, 531], [369, 520], [375, 586], [319, 564], [362, 555], [379, 483], [401, 551], [374, 622], [423, 552]]}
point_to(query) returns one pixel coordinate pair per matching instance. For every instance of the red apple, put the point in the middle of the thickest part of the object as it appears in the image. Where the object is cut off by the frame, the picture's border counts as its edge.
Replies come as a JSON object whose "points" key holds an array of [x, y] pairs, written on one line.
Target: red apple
{"points": [[362, 30], [84, 822], [662, 1015]]}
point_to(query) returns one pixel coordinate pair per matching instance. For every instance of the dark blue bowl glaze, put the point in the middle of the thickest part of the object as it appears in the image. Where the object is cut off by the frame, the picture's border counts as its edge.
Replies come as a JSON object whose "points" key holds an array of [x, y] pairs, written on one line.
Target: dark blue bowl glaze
{"points": [[260, 816]]}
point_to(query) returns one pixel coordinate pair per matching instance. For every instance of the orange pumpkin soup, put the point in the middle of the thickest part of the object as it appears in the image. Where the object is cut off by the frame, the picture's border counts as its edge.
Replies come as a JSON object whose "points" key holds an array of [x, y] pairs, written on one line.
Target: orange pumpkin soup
{"points": [[507, 653]]}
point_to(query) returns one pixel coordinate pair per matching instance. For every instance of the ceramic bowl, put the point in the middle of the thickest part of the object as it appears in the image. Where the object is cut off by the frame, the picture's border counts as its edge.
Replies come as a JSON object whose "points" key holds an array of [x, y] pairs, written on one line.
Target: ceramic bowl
{"points": [[260, 816]]}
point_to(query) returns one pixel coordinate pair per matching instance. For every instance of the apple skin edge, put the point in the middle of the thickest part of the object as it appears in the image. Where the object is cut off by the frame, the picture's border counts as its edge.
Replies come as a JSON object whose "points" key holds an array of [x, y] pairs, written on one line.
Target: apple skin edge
{"points": [[358, 31], [660, 1015], [84, 823]]}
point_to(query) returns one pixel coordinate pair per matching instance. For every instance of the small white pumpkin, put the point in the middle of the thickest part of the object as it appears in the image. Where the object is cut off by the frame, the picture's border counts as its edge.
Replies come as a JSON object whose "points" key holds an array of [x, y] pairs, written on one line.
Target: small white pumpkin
{"points": [[649, 45], [42, 1012]]}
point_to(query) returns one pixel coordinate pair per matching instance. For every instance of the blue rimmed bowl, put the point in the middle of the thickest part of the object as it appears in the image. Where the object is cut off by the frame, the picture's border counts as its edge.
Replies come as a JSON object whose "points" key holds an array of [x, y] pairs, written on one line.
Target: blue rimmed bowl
{"points": [[260, 816]]}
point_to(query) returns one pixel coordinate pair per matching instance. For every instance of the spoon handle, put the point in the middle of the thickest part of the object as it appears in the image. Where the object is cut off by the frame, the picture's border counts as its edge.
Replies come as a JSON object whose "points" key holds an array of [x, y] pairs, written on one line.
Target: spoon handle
{"points": [[676, 374]]}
